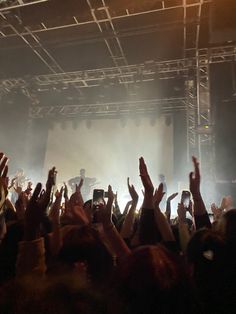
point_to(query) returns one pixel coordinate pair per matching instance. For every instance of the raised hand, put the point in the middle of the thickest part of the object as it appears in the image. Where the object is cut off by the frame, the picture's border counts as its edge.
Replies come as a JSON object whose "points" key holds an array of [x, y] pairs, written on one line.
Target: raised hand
{"points": [[76, 198], [171, 197], [2, 194], [132, 192], [3, 166], [199, 206], [227, 203], [12, 183], [78, 187], [3, 174], [181, 213], [65, 195], [217, 211], [190, 208], [194, 178], [21, 205], [54, 214], [158, 196], [146, 180], [37, 207], [105, 210]]}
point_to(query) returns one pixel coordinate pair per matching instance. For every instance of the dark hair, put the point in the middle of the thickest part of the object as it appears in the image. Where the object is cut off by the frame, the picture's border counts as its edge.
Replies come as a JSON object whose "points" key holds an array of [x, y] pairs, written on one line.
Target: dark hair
{"points": [[209, 256], [153, 280], [83, 244], [206, 251]]}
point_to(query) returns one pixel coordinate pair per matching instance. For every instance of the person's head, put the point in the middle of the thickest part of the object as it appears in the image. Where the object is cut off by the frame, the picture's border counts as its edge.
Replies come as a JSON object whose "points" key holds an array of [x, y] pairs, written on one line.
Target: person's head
{"points": [[83, 246], [211, 264], [82, 172], [206, 253], [152, 280], [61, 294]]}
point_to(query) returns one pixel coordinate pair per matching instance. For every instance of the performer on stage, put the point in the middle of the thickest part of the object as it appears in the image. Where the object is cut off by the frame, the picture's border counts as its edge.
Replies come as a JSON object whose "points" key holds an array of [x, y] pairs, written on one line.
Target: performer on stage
{"points": [[88, 184], [18, 183]]}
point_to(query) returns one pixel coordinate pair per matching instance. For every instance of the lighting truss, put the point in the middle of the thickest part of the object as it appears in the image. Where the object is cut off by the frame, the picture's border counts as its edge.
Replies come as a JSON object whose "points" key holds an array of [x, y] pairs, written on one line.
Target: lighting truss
{"points": [[111, 109], [191, 113], [144, 72], [164, 6], [7, 5]]}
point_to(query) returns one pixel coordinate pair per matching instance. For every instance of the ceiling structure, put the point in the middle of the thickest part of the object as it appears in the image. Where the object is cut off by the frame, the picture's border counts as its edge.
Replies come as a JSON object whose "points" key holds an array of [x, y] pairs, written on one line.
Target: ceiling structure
{"points": [[81, 57]]}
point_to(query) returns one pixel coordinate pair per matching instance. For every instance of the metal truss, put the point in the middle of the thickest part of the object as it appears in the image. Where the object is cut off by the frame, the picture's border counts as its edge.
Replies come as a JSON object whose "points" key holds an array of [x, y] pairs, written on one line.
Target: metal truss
{"points": [[7, 5], [205, 119], [200, 136], [113, 44], [132, 73], [112, 109], [191, 47], [34, 43], [99, 18], [191, 113], [191, 36]]}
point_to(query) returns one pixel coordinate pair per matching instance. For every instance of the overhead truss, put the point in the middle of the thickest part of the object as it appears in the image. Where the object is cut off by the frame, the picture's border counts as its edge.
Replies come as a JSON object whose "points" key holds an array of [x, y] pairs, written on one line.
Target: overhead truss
{"points": [[132, 73], [7, 5], [110, 109], [96, 16]]}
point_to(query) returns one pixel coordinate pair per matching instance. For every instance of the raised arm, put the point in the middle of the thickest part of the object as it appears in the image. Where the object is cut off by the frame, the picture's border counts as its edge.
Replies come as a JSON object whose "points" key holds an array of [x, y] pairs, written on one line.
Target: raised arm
{"points": [[184, 235], [148, 230], [31, 253], [160, 219], [127, 227], [117, 243], [201, 217], [168, 206], [55, 237]]}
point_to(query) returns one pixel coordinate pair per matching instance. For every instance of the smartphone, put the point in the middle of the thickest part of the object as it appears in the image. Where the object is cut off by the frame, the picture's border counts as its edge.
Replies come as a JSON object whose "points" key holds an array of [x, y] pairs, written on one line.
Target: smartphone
{"points": [[98, 196], [185, 198]]}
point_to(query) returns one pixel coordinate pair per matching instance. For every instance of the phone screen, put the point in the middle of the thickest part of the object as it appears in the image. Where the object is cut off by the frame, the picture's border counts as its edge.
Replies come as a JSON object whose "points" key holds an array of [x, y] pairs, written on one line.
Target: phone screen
{"points": [[185, 199], [98, 196]]}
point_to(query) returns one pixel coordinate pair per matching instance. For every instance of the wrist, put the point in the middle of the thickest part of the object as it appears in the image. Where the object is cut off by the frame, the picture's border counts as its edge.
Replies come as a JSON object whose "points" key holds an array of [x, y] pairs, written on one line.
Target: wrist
{"points": [[182, 220], [134, 202]]}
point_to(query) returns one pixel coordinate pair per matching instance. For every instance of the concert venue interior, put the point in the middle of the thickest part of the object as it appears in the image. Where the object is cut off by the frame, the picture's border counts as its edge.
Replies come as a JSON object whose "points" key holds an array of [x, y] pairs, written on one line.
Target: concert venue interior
{"points": [[89, 87]]}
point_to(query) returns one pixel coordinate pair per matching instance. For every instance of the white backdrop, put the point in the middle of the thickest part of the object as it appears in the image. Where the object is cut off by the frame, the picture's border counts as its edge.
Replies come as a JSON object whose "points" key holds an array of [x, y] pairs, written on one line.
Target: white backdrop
{"points": [[110, 152]]}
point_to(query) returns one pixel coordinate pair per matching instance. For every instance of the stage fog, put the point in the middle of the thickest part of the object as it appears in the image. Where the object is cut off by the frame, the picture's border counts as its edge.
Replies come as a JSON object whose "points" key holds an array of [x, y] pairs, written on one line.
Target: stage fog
{"points": [[110, 151]]}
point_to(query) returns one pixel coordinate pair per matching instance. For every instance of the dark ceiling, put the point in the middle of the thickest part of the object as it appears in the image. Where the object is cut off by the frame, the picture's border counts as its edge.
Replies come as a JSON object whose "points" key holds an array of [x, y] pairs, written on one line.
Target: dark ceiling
{"points": [[45, 37], [156, 35]]}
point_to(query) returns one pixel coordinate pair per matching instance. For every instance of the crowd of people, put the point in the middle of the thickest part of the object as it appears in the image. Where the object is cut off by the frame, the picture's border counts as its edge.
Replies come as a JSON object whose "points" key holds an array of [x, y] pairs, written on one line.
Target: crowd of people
{"points": [[59, 254]]}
